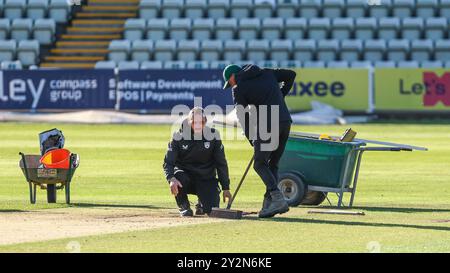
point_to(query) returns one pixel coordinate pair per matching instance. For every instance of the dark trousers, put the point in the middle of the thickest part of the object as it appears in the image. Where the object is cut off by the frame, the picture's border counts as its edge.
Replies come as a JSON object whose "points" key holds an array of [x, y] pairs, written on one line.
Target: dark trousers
{"points": [[207, 191], [266, 162]]}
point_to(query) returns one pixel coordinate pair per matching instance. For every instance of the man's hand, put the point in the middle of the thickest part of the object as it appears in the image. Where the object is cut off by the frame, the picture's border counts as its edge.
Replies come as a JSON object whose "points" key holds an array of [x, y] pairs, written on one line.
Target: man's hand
{"points": [[174, 184], [226, 196]]}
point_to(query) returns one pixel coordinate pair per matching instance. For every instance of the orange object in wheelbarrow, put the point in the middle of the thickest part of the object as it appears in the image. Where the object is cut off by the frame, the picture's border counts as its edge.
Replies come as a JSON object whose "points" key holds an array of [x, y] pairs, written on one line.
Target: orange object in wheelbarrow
{"points": [[56, 159]]}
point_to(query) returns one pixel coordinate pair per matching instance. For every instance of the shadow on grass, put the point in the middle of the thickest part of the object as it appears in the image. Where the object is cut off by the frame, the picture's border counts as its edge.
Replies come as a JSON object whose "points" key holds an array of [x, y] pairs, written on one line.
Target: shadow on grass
{"points": [[92, 205], [11, 210], [347, 223]]}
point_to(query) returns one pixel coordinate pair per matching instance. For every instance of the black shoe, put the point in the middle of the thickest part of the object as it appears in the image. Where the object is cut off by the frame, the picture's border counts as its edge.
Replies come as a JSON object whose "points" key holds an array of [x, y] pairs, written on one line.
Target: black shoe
{"points": [[186, 213], [276, 206], [199, 209], [266, 201]]}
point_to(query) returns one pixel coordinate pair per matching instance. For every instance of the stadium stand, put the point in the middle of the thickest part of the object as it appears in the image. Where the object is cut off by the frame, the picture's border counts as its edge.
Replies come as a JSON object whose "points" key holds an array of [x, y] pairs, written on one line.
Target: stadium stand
{"points": [[207, 33]]}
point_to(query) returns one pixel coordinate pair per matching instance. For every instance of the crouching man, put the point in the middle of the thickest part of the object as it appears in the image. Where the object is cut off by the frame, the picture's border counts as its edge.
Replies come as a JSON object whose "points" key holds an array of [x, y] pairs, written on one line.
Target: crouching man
{"points": [[191, 163]]}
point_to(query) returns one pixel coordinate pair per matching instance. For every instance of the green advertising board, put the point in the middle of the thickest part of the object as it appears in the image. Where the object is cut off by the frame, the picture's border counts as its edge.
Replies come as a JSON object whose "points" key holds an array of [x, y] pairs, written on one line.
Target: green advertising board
{"points": [[345, 89], [412, 89]]}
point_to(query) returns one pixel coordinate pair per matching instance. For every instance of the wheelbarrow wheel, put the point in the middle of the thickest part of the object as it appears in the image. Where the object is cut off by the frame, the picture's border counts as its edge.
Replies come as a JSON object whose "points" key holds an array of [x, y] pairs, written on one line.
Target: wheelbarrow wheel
{"points": [[293, 188], [314, 198], [51, 193]]}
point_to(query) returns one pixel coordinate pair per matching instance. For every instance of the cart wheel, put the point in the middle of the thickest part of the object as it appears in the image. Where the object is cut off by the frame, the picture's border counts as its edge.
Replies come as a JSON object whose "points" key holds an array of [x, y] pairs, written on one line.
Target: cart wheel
{"points": [[51, 193], [67, 190], [314, 198], [293, 188]]}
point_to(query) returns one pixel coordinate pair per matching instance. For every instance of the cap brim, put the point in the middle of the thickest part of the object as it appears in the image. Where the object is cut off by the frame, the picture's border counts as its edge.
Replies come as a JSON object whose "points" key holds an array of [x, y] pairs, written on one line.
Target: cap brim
{"points": [[226, 85]]}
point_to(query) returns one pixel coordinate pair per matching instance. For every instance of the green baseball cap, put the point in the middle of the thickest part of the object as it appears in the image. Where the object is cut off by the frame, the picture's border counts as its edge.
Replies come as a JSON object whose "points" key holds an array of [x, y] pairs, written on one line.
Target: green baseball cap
{"points": [[228, 71]]}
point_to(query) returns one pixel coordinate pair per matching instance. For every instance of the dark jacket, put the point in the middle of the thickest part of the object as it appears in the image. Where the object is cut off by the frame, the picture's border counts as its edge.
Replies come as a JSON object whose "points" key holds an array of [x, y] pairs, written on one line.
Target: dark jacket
{"points": [[199, 158], [256, 86]]}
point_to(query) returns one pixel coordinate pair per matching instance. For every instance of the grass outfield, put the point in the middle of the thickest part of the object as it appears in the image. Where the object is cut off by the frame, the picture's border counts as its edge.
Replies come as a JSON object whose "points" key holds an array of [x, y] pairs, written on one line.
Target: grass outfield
{"points": [[406, 196]]}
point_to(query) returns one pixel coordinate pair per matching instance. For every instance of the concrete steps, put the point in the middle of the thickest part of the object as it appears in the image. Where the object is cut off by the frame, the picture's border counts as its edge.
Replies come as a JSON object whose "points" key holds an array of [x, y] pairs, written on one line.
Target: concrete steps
{"points": [[86, 40]]}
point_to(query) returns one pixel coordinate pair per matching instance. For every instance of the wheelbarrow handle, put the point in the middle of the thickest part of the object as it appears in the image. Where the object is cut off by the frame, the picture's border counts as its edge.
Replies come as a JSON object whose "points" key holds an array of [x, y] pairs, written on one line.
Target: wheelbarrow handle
{"points": [[25, 166]]}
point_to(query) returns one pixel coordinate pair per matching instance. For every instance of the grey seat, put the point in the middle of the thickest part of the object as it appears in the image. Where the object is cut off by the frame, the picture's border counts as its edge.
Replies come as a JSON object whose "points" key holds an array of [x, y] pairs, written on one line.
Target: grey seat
{"points": [[59, 10], [444, 8], [408, 64], [290, 64], [313, 64], [426, 8], [14, 9], [342, 28], [333, 8], [28, 52], [447, 64], [21, 29], [280, 50], [44, 31], [141, 50], [174, 65], [249, 28], [262, 9], [365, 28], [412, 28], [309, 8], [435, 28], [156, 28], [380, 11], [403, 8], [149, 9], [388, 28], [172, 8], [119, 50], [5, 26], [240, 8], [337, 64], [361, 64], [286, 8], [195, 8], [442, 50], [351, 50], [151, 65], [180, 28], [218, 8], [188, 50], [374, 50], [10, 65], [197, 65], [295, 28], [211, 50], [431, 64], [234, 50], [304, 50], [421, 50], [225, 28], [385, 64], [398, 50], [128, 65], [37, 9], [105, 65], [327, 50], [267, 64], [164, 50], [355, 9], [202, 28], [318, 28], [272, 28], [8, 50], [218, 64], [257, 50], [134, 29]]}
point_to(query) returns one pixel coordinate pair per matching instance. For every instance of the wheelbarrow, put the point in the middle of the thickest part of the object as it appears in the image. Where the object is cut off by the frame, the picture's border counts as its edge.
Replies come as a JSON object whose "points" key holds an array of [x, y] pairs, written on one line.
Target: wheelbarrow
{"points": [[310, 167], [49, 179]]}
